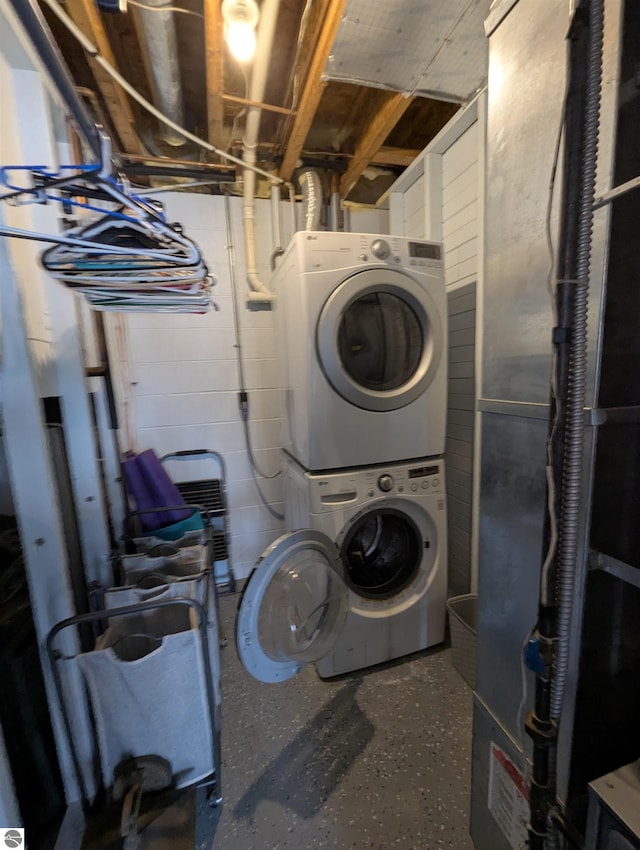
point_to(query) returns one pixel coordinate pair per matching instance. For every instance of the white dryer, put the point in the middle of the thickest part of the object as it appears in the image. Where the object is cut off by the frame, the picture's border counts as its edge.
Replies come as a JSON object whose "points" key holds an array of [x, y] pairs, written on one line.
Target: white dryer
{"points": [[361, 327], [363, 581]]}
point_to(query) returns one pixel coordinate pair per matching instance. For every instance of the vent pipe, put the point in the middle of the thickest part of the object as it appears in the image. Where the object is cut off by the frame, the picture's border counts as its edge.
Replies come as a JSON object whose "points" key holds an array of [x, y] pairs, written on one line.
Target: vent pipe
{"points": [[311, 186], [157, 33]]}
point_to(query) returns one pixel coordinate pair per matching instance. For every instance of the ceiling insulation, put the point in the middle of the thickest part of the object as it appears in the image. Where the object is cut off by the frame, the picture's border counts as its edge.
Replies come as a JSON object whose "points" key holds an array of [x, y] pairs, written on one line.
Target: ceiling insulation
{"points": [[436, 48]]}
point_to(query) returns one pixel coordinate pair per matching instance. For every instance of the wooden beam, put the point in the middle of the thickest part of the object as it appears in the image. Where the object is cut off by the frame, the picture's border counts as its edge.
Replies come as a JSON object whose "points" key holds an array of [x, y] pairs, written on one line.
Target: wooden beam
{"points": [[372, 139], [213, 35], [313, 88], [394, 156], [85, 14], [243, 101]]}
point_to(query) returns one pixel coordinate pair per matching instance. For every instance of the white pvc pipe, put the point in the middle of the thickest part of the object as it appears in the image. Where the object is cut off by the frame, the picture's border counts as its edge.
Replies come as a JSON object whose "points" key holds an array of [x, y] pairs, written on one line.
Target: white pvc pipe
{"points": [[266, 30]]}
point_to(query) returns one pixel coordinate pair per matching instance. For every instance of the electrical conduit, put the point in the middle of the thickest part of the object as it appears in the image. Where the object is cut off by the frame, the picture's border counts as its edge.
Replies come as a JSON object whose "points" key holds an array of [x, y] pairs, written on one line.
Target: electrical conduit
{"points": [[574, 437], [566, 424]]}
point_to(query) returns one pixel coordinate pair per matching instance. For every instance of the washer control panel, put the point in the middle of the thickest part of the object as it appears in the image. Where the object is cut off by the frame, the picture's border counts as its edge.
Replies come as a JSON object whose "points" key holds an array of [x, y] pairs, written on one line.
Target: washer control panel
{"points": [[385, 483], [380, 249], [334, 491]]}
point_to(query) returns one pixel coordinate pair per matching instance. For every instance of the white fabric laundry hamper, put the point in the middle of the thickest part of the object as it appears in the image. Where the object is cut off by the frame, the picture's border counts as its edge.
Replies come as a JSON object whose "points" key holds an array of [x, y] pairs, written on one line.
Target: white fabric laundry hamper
{"points": [[147, 686]]}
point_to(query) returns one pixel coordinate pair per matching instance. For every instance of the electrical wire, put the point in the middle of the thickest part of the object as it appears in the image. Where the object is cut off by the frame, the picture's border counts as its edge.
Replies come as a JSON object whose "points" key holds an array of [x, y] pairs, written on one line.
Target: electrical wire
{"points": [[169, 8], [551, 487], [93, 51], [523, 702]]}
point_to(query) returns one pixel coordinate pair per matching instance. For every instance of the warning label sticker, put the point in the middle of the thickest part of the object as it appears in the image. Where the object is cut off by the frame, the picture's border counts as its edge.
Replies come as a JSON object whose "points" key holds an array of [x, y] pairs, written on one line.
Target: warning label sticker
{"points": [[508, 797]]}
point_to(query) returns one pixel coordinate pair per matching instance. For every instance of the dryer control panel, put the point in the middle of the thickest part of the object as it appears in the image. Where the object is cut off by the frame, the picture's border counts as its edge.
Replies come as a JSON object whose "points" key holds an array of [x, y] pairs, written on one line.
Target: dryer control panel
{"points": [[323, 250]]}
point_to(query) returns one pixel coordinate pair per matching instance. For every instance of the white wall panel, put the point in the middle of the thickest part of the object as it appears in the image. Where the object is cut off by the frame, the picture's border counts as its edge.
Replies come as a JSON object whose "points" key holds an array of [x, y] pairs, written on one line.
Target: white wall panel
{"points": [[413, 214], [452, 170], [460, 208]]}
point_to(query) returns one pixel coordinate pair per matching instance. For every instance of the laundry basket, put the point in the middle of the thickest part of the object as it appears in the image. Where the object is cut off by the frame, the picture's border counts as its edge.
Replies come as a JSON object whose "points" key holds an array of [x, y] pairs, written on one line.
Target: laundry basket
{"points": [[146, 577], [150, 688], [463, 618]]}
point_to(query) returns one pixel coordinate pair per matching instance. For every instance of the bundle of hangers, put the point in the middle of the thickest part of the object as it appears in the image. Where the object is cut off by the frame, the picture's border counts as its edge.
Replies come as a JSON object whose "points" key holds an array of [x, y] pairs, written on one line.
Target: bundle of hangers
{"points": [[129, 259]]}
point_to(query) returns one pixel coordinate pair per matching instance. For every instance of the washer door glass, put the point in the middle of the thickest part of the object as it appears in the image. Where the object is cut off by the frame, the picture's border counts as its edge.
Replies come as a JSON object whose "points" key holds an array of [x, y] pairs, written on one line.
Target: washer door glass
{"points": [[382, 553], [293, 608], [380, 341], [379, 338]]}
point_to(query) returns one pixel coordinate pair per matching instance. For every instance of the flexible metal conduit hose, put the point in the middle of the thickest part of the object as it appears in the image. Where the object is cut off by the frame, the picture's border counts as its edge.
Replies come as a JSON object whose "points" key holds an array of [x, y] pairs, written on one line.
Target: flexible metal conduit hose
{"points": [[574, 438]]}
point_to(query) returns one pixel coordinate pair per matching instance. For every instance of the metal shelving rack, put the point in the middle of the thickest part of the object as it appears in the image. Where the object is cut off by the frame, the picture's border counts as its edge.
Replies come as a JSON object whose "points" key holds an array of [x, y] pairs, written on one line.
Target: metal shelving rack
{"points": [[210, 493]]}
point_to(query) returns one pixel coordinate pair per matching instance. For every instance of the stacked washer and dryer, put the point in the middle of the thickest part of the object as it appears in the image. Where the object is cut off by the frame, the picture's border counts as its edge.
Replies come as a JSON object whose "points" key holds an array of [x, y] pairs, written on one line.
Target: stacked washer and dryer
{"points": [[360, 576]]}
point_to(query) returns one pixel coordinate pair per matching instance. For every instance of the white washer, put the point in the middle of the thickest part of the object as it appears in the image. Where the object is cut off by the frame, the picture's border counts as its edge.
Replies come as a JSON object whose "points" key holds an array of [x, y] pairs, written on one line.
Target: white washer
{"points": [[361, 323], [364, 580]]}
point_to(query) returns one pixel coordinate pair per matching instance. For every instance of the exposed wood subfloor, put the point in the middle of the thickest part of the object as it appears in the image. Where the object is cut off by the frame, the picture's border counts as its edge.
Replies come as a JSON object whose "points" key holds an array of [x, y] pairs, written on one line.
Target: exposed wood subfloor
{"points": [[375, 759]]}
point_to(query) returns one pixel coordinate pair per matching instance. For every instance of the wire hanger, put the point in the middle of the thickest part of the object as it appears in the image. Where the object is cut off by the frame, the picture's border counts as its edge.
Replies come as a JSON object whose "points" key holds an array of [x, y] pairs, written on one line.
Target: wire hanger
{"points": [[129, 259]]}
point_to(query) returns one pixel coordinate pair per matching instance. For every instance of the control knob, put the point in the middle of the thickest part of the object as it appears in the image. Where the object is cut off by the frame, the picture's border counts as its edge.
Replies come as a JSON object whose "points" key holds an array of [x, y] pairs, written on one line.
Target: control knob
{"points": [[385, 483], [380, 249]]}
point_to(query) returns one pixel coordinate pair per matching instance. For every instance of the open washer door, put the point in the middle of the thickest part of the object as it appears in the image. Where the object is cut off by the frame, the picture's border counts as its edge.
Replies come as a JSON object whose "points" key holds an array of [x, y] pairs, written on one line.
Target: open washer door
{"points": [[293, 608]]}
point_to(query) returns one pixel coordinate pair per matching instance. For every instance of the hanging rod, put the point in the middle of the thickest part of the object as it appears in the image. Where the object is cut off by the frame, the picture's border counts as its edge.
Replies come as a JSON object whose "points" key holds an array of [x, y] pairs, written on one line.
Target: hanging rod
{"points": [[30, 16]]}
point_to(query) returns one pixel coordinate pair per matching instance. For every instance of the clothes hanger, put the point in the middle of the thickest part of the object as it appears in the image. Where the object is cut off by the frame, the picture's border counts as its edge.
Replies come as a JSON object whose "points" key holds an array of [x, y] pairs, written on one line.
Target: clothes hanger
{"points": [[130, 259]]}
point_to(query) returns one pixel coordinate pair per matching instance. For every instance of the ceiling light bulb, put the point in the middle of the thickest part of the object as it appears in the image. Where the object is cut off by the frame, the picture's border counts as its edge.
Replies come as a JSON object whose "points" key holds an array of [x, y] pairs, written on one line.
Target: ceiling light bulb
{"points": [[241, 39], [240, 21]]}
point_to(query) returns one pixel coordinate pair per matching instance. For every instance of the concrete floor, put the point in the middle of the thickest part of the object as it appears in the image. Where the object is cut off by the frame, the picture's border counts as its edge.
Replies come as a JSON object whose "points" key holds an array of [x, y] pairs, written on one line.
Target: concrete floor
{"points": [[374, 759]]}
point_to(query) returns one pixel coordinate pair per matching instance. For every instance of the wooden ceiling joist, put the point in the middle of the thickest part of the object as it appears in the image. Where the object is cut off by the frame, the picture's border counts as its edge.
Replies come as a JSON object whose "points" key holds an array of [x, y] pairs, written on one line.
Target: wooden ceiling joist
{"points": [[402, 157], [373, 138], [85, 14], [213, 35], [313, 88]]}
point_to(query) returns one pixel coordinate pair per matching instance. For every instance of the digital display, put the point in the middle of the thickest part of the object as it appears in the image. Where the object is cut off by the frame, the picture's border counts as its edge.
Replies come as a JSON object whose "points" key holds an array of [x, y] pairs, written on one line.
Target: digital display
{"points": [[424, 252], [421, 471]]}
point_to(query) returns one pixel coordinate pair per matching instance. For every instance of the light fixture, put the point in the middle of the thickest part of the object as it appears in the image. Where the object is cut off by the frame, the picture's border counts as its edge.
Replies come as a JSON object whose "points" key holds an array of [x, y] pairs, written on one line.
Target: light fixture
{"points": [[240, 21]]}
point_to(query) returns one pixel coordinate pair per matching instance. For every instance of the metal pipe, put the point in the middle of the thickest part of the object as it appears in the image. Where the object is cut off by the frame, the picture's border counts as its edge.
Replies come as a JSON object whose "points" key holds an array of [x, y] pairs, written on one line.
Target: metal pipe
{"points": [[276, 224], [30, 16], [334, 212], [159, 46]]}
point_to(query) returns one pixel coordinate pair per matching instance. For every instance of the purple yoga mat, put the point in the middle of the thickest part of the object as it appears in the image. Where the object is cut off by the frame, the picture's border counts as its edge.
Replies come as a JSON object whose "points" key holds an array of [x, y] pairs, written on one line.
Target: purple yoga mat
{"points": [[149, 486]]}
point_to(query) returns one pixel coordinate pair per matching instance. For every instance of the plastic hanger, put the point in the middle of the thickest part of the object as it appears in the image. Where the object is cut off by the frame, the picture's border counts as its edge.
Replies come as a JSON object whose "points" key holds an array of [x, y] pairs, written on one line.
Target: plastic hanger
{"points": [[130, 259]]}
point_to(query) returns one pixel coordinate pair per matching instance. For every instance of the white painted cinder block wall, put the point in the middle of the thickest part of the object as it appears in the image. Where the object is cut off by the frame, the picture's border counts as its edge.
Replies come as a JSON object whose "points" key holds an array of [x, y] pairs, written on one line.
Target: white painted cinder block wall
{"points": [[185, 373]]}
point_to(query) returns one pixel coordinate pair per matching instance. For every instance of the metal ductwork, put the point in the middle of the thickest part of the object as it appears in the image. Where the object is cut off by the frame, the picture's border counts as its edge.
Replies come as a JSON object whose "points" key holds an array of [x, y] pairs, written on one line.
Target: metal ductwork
{"points": [[158, 42], [311, 186]]}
